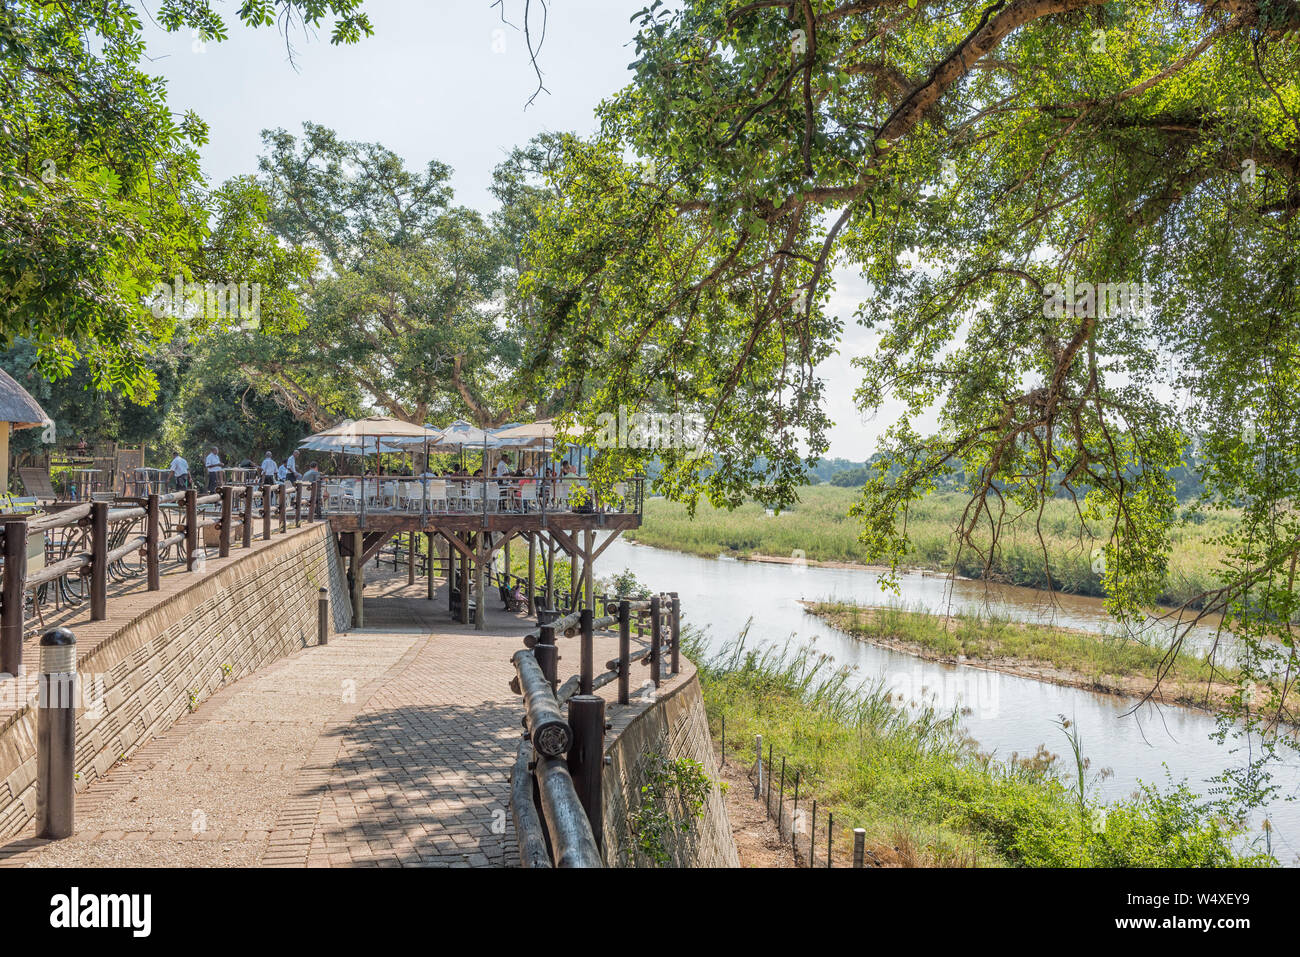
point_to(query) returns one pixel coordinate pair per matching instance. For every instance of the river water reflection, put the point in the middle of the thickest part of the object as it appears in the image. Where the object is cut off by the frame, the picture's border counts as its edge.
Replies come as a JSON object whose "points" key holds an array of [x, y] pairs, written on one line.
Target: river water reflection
{"points": [[1005, 713]]}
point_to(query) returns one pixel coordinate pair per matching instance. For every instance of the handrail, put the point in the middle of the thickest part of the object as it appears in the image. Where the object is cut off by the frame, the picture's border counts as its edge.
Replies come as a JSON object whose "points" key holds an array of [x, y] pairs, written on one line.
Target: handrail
{"points": [[568, 751], [88, 544]]}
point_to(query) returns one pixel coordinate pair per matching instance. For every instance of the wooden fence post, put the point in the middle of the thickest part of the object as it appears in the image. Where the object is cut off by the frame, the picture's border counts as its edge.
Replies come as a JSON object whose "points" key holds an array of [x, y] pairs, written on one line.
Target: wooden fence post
{"points": [[676, 634], [15, 581], [98, 561], [588, 656], [191, 528], [266, 512], [655, 639], [586, 756], [297, 505], [282, 493], [248, 516], [227, 510], [315, 501], [624, 650], [151, 542]]}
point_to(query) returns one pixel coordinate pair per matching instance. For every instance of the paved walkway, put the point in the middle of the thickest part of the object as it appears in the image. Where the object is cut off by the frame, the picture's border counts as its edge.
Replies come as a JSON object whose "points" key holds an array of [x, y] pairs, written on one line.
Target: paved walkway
{"points": [[390, 746]]}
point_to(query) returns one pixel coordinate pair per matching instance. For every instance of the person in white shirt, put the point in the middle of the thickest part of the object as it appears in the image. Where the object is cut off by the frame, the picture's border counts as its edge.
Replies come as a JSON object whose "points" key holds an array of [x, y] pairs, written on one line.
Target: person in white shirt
{"points": [[180, 472], [215, 469], [291, 466], [269, 470], [282, 473]]}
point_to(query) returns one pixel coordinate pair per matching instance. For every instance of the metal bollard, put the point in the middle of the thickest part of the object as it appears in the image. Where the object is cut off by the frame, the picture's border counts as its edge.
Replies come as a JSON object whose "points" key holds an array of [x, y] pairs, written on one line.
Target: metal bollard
{"points": [[323, 617], [56, 734], [758, 781], [859, 845]]}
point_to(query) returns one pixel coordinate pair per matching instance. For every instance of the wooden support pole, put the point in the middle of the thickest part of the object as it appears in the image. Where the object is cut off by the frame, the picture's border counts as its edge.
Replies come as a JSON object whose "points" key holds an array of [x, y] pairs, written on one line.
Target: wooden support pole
{"points": [[483, 555], [428, 565], [451, 578], [550, 571], [227, 509], [532, 574], [15, 582], [266, 513], [588, 565], [411, 552], [358, 581], [151, 542], [98, 561], [464, 589]]}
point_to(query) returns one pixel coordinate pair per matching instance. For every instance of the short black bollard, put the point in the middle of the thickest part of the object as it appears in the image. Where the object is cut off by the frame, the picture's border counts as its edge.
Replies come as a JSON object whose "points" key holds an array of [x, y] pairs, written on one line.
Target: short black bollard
{"points": [[56, 734], [323, 617]]}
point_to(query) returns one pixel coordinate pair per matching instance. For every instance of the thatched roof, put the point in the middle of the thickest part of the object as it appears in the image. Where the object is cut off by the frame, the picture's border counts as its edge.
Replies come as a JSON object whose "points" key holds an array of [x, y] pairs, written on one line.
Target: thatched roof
{"points": [[17, 406]]}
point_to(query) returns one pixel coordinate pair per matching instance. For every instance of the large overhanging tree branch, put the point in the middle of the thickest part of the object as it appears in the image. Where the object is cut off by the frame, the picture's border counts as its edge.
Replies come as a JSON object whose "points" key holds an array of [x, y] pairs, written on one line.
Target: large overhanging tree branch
{"points": [[970, 161]]}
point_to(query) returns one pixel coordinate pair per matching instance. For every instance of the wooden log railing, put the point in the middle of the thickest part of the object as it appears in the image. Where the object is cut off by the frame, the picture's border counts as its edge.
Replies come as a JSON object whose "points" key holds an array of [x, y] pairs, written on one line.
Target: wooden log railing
{"points": [[88, 545], [557, 770]]}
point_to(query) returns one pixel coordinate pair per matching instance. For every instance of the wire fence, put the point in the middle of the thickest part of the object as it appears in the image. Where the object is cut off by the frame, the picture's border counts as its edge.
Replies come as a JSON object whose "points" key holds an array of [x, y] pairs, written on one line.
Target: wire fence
{"points": [[816, 839]]}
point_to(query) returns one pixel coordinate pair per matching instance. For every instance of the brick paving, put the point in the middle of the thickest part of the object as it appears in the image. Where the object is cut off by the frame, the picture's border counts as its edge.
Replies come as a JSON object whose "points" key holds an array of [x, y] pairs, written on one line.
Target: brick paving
{"points": [[390, 746]]}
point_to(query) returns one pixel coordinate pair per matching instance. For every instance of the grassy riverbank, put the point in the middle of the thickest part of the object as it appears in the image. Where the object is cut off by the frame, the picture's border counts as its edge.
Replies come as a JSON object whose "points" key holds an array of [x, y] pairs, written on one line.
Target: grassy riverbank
{"points": [[923, 792], [819, 529], [1064, 656]]}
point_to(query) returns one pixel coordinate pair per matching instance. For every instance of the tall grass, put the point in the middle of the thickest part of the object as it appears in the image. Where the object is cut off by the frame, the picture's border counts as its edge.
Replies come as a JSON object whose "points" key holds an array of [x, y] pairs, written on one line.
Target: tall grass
{"points": [[922, 790], [819, 529]]}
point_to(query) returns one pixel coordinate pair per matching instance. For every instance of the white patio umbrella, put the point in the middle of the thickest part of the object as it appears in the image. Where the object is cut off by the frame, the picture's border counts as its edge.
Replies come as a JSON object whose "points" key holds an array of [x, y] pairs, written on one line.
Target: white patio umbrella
{"points": [[370, 435]]}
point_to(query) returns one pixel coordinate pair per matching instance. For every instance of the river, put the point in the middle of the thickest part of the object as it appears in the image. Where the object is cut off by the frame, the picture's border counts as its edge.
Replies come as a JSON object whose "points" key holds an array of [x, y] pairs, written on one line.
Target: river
{"points": [[1005, 713]]}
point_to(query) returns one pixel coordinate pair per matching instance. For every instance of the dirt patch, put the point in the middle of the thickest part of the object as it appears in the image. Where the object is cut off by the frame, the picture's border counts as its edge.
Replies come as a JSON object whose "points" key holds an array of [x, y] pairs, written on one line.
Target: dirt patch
{"points": [[756, 837]]}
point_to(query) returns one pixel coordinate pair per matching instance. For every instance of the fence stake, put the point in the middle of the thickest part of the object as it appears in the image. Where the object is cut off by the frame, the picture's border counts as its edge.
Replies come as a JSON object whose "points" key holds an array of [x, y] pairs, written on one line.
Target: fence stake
{"points": [[676, 635], [830, 834], [56, 734], [587, 668], [227, 507], [758, 781], [323, 617], [655, 639], [794, 810], [724, 740], [98, 561], [586, 756], [151, 543], [191, 528], [15, 581], [812, 835], [780, 804], [859, 845], [769, 780], [624, 650]]}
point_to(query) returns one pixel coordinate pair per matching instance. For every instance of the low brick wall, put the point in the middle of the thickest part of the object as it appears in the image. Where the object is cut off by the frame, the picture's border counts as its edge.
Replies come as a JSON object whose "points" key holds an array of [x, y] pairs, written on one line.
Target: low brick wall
{"points": [[673, 726], [224, 626]]}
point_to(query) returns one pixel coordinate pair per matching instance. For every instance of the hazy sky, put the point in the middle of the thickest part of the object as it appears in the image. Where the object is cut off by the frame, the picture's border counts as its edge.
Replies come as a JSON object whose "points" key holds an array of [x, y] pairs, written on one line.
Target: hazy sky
{"points": [[441, 80]]}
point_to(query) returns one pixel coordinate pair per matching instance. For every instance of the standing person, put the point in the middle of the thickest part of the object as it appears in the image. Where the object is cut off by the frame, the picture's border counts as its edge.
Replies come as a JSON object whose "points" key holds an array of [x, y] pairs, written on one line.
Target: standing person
{"points": [[180, 472], [291, 466], [215, 469], [269, 469]]}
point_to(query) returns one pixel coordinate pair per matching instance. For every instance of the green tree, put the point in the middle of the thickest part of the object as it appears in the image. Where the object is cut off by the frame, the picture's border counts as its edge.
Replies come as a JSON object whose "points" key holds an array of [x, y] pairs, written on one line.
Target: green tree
{"points": [[973, 163], [101, 196]]}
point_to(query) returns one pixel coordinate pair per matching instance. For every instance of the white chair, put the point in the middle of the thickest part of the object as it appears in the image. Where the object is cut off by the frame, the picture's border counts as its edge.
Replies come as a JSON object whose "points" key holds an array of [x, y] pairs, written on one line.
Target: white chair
{"points": [[437, 494], [528, 495]]}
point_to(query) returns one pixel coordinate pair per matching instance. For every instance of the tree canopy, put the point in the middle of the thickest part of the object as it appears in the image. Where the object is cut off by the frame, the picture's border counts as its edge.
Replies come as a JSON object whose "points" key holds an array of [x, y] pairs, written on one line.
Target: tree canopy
{"points": [[1077, 222]]}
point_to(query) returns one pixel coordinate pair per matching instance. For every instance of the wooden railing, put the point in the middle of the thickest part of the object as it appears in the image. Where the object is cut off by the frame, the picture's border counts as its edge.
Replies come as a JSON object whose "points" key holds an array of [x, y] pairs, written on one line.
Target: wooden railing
{"points": [[555, 790], [472, 495], [81, 548]]}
